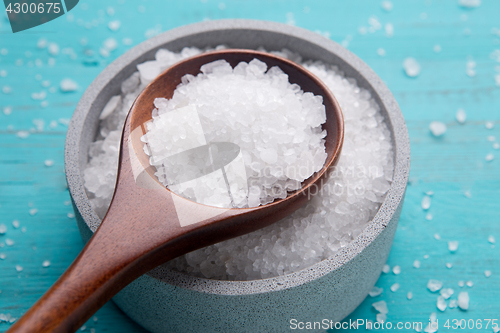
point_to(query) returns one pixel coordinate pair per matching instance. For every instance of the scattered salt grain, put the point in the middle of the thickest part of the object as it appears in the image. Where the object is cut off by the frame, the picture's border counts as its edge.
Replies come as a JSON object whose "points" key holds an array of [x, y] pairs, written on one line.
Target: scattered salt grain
{"points": [[70, 215], [381, 52], [381, 307], [114, 25], [428, 216], [6, 89], [3, 256], [467, 194], [487, 273], [461, 116], [453, 246], [49, 163], [3, 73], [491, 138], [463, 300], [381, 317], [23, 134], [41, 43], [441, 303], [15, 224], [411, 67], [396, 270], [19, 268], [395, 287], [4, 51], [437, 48], [434, 285], [33, 211], [110, 107], [68, 85], [489, 157], [489, 125], [452, 304], [449, 265], [461, 283], [470, 284], [375, 291], [491, 239], [426, 256], [7, 110], [496, 145], [469, 3], [416, 264], [386, 269], [53, 49], [437, 237], [387, 6], [426, 202], [470, 68], [9, 242], [437, 128], [446, 292], [3, 229], [45, 263], [409, 295]]}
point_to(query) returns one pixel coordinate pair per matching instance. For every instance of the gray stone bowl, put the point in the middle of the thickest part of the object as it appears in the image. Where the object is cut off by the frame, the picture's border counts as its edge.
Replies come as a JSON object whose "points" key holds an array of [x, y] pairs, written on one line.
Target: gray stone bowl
{"points": [[167, 301]]}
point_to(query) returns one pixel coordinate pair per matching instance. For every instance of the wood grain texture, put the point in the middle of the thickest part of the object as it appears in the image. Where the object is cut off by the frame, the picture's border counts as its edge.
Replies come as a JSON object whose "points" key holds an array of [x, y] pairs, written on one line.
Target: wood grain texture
{"points": [[448, 166]]}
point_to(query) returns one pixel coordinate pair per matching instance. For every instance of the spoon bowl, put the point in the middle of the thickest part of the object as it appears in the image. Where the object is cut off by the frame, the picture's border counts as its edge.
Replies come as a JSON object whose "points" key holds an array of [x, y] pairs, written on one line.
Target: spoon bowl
{"points": [[147, 224]]}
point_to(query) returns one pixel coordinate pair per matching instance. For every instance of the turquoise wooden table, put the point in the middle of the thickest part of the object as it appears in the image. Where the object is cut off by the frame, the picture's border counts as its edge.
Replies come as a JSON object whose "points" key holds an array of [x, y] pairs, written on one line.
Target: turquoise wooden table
{"points": [[458, 49]]}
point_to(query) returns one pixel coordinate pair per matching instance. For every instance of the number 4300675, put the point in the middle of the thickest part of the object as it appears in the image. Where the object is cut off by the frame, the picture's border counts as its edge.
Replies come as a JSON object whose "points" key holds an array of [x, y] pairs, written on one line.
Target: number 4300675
{"points": [[33, 8]]}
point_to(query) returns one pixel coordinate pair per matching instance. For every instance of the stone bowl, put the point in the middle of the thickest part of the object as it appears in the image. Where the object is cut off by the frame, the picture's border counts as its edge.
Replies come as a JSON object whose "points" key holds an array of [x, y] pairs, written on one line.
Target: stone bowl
{"points": [[167, 301]]}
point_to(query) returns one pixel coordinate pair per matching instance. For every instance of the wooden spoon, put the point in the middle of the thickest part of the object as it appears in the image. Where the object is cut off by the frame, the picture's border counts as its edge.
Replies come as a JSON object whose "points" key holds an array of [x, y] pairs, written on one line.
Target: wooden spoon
{"points": [[147, 225]]}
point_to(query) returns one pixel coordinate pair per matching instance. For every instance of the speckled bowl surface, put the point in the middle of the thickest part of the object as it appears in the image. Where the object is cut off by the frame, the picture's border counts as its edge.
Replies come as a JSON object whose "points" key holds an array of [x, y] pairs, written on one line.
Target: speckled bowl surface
{"points": [[168, 301]]}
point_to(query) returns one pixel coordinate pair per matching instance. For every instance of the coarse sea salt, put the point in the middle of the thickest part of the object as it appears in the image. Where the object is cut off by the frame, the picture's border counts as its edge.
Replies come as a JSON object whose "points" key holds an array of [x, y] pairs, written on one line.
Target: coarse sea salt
{"points": [[411, 67], [434, 285], [375, 291], [437, 128], [461, 116], [356, 187], [416, 264], [463, 300], [273, 123], [453, 246]]}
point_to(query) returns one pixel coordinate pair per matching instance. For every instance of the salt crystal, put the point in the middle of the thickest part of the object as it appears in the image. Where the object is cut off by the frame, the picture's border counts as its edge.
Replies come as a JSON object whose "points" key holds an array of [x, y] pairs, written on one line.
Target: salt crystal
{"points": [[434, 285], [42, 43], [3, 256], [375, 291], [381, 317], [386, 269], [437, 237], [15, 224], [463, 300], [461, 283], [446, 292], [469, 3], [395, 287], [389, 31], [487, 273], [449, 265], [489, 157], [23, 134], [453, 246], [49, 163], [467, 194], [9, 242], [411, 67], [426, 256], [381, 306], [3, 229], [496, 329], [470, 284], [416, 264], [489, 125], [441, 303], [4, 51], [387, 6], [7, 110], [437, 128], [381, 52], [110, 106], [19, 268], [426, 202], [3, 73], [461, 116], [53, 49], [33, 211], [452, 304], [110, 11], [6, 89], [110, 44], [491, 138], [496, 145], [70, 215], [45, 263], [428, 216], [437, 48], [396, 270], [409, 295], [68, 85], [491, 239], [114, 25]]}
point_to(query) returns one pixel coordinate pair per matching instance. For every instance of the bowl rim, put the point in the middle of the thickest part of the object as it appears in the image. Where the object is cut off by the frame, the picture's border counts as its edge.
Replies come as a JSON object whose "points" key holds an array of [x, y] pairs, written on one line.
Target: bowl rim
{"points": [[372, 230]]}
